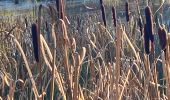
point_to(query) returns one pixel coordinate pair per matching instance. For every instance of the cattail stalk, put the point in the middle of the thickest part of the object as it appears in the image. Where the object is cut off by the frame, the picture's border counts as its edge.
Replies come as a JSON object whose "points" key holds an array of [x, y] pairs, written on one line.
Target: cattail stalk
{"points": [[53, 63], [38, 39], [118, 57], [66, 63], [60, 5], [76, 76]]}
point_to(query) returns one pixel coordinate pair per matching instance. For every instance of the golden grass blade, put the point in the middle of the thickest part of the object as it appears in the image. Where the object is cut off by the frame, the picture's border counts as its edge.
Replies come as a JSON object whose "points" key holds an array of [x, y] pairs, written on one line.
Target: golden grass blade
{"points": [[58, 78], [131, 45], [66, 60], [27, 66]]}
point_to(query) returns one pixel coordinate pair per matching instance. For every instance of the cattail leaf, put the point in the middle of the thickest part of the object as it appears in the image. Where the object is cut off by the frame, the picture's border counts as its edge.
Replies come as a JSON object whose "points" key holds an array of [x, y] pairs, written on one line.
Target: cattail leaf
{"points": [[34, 31]]}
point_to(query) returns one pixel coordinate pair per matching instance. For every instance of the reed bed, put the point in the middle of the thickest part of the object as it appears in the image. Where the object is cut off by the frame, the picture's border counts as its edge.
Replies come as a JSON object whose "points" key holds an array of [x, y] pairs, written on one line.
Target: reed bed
{"points": [[54, 55]]}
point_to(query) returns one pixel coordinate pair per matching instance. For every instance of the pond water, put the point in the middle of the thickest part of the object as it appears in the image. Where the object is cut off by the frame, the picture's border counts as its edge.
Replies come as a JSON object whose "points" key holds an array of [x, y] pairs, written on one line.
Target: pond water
{"points": [[10, 5]]}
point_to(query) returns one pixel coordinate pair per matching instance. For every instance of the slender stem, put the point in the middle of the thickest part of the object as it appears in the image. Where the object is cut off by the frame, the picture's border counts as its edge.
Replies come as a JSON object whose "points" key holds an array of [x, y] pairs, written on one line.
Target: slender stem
{"points": [[53, 63]]}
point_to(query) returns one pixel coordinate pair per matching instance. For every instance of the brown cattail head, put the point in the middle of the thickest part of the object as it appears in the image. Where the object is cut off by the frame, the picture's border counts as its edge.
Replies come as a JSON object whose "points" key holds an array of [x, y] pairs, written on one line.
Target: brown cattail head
{"points": [[149, 23], [162, 33], [146, 40], [127, 11], [34, 30], [114, 15], [103, 12]]}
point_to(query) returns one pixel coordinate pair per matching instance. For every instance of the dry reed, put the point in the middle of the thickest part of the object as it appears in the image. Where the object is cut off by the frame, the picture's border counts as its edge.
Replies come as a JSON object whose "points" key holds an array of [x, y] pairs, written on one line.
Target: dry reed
{"points": [[27, 67], [102, 71]]}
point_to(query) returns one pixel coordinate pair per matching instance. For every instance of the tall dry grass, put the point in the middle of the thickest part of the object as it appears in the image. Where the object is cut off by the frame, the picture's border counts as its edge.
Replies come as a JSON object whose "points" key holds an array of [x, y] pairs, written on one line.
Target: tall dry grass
{"points": [[78, 58]]}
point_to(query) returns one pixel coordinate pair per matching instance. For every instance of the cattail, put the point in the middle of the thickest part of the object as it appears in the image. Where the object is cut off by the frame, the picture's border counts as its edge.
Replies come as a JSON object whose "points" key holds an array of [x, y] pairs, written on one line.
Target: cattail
{"points": [[146, 40], [168, 35], [149, 23], [34, 30], [58, 5], [162, 33], [140, 24], [26, 22], [103, 12], [114, 16], [60, 8], [62, 16], [127, 11]]}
